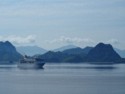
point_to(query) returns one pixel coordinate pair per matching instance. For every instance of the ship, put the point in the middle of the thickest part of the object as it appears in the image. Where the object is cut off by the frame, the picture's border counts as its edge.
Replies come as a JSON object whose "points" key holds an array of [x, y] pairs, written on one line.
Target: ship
{"points": [[31, 63]]}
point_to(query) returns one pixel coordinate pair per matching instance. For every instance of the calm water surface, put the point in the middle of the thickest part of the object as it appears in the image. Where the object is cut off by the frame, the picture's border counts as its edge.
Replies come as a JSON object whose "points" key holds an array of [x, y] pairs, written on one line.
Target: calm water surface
{"points": [[63, 79]]}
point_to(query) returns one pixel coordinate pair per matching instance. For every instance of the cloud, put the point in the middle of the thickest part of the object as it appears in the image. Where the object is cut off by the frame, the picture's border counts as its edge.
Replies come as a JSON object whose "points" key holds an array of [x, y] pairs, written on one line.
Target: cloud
{"points": [[113, 41], [70, 40], [18, 40]]}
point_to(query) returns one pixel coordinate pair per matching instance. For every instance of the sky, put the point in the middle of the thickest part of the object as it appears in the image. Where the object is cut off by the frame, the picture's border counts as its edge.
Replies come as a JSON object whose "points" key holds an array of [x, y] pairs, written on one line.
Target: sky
{"points": [[54, 23]]}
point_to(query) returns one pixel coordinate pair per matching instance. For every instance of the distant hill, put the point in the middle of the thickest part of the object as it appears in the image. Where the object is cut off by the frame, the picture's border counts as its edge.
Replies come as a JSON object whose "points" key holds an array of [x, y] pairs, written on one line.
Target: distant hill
{"points": [[78, 51], [103, 53], [100, 53], [8, 52], [31, 50], [120, 52], [60, 57], [69, 55], [64, 48]]}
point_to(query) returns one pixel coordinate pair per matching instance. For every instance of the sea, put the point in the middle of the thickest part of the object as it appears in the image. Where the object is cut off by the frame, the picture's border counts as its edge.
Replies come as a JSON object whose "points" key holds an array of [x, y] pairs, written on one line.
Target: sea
{"points": [[63, 78]]}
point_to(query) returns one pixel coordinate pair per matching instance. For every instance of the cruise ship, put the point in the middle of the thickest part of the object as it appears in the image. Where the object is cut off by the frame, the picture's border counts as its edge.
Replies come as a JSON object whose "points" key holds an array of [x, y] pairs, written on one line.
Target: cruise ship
{"points": [[31, 63]]}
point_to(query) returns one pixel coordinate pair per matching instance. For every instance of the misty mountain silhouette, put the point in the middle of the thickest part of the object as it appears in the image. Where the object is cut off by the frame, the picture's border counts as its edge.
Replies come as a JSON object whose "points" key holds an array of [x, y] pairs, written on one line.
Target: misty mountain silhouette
{"points": [[64, 48], [100, 53], [31, 50], [120, 52], [103, 53], [8, 52]]}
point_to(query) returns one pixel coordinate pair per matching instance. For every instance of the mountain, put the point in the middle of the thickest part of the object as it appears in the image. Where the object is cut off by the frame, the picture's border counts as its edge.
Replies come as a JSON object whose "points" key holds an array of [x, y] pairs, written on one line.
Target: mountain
{"points": [[120, 52], [78, 51], [69, 55], [60, 57], [31, 50], [103, 53], [8, 52], [65, 48]]}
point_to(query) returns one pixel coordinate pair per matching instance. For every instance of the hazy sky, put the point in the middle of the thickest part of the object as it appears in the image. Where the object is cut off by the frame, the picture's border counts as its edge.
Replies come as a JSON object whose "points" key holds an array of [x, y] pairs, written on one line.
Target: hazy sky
{"points": [[54, 23]]}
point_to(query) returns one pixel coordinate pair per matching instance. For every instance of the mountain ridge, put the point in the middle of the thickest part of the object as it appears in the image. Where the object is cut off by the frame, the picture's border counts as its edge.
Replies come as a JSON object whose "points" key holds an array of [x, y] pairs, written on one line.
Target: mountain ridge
{"points": [[103, 53], [120, 52], [100, 53], [31, 50], [8, 52], [64, 48]]}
